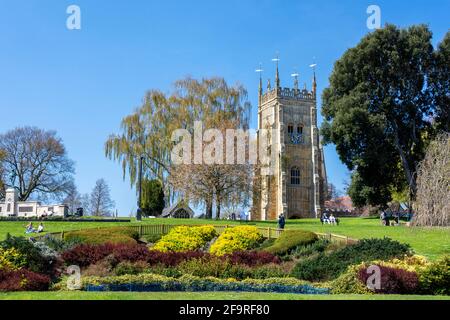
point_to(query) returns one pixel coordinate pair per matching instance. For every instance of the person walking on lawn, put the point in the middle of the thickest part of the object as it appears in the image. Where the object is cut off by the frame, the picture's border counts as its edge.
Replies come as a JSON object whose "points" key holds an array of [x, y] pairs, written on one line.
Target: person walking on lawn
{"points": [[281, 221]]}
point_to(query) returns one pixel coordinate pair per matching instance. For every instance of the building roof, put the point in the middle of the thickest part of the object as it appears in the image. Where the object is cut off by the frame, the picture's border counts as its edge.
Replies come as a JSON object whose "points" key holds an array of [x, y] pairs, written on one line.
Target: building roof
{"points": [[180, 204]]}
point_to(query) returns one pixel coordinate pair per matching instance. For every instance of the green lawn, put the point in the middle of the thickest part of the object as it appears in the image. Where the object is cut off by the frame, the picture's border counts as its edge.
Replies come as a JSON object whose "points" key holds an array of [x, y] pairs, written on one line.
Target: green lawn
{"points": [[79, 295], [430, 242]]}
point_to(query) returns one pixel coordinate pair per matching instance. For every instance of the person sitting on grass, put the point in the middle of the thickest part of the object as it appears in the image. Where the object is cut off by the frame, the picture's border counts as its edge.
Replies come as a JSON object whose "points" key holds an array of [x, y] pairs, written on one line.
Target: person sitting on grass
{"points": [[40, 228], [30, 228], [332, 219], [324, 218]]}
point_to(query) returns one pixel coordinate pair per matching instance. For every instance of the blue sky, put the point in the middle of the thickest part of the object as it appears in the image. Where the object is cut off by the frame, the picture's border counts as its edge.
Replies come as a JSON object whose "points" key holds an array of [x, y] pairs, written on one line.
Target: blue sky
{"points": [[81, 83]]}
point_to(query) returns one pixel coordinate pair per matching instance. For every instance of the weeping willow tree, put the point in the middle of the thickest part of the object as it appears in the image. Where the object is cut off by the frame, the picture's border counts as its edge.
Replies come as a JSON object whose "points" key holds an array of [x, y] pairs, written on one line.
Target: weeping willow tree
{"points": [[147, 132]]}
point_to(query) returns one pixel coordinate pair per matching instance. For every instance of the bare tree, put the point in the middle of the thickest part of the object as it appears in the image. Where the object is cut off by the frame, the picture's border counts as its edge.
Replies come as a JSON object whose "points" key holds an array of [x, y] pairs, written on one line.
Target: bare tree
{"points": [[85, 201], [73, 200], [100, 199], [432, 204], [2, 175], [36, 163], [333, 192], [218, 183]]}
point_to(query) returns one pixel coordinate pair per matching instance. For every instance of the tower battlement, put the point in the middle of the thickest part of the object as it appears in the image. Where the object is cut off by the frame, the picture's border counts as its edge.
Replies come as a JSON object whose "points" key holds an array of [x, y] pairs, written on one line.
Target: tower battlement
{"points": [[288, 94]]}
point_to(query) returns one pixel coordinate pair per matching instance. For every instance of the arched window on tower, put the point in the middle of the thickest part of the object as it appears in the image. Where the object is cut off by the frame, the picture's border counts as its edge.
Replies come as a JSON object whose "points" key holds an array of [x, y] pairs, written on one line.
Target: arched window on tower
{"points": [[295, 176], [290, 129]]}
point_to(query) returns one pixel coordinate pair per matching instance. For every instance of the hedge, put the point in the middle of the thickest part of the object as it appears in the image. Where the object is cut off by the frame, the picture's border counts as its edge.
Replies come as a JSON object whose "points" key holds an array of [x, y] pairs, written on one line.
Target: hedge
{"points": [[330, 266], [290, 240], [122, 235]]}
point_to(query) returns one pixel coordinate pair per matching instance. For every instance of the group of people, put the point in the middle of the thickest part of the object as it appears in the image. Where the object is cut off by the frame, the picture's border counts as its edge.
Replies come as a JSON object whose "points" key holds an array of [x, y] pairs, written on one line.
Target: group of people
{"points": [[386, 219], [30, 228], [328, 219], [243, 216]]}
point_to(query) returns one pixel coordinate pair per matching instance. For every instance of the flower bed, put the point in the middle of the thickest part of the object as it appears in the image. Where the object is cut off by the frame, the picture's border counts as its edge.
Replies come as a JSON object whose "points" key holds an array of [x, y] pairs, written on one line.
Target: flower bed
{"points": [[236, 239], [152, 283], [184, 238]]}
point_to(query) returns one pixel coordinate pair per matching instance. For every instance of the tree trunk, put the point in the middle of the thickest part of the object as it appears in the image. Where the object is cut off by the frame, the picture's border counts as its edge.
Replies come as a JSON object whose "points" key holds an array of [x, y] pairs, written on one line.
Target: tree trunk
{"points": [[406, 166], [209, 209], [217, 209]]}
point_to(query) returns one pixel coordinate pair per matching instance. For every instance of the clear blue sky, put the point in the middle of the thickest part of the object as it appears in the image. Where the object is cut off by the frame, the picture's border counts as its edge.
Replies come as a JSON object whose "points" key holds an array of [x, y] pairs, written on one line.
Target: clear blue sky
{"points": [[81, 83]]}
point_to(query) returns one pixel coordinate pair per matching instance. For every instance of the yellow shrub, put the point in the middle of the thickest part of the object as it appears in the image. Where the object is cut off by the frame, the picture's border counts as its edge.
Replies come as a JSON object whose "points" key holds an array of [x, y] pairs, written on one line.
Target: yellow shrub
{"points": [[184, 238], [11, 259], [236, 239], [414, 263]]}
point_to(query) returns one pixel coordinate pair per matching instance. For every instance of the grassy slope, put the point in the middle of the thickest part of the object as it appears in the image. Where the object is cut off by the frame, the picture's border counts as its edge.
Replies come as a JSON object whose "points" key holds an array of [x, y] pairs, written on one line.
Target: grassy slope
{"points": [[431, 242], [76, 295]]}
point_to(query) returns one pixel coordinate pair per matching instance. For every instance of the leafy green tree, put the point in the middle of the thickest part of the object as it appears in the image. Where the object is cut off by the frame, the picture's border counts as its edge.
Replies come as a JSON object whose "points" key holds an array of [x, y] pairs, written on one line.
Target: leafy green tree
{"points": [[440, 82], [152, 197], [379, 108]]}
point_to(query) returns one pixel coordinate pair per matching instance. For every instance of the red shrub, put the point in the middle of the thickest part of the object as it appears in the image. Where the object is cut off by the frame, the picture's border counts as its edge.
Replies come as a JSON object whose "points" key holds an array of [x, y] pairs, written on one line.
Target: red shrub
{"points": [[393, 280], [252, 258], [23, 280], [131, 254], [86, 254]]}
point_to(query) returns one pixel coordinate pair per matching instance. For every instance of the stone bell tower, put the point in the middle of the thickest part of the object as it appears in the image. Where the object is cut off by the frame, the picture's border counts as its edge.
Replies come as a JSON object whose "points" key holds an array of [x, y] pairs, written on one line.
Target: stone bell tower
{"points": [[296, 185]]}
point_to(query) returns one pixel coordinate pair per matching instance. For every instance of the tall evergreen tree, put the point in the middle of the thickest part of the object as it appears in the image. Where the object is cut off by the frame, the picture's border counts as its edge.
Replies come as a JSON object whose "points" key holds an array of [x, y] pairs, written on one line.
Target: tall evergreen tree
{"points": [[380, 107], [152, 197]]}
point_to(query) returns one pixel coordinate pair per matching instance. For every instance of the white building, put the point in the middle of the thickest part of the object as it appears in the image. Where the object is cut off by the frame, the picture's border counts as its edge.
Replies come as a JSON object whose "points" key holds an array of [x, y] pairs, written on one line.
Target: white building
{"points": [[14, 208]]}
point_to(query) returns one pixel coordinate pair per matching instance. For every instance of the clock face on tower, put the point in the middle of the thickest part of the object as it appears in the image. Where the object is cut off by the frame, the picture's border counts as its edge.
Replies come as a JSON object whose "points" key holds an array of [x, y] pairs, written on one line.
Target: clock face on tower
{"points": [[296, 138]]}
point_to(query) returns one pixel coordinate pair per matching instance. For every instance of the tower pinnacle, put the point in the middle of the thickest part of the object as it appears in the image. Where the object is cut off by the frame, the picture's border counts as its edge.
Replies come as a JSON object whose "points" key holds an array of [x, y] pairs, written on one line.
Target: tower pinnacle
{"points": [[277, 75], [295, 76], [260, 71], [314, 82]]}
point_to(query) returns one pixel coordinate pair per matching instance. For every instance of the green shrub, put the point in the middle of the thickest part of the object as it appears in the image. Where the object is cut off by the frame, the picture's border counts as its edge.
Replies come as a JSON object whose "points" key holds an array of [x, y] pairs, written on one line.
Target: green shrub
{"points": [[184, 238], [435, 279], [59, 245], [36, 258], [236, 239], [214, 267], [266, 243], [151, 238], [268, 271], [349, 283], [123, 235], [330, 266], [305, 251], [11, 259], [290, 240], [126, 267], [172, 272]]}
